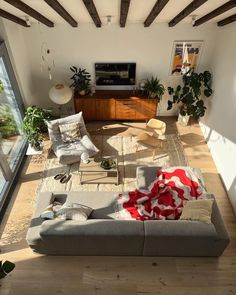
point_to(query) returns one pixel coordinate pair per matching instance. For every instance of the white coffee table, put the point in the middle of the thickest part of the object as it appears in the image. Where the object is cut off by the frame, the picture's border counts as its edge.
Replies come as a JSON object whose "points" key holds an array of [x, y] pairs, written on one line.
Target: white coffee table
{"points": [[94, 173]]}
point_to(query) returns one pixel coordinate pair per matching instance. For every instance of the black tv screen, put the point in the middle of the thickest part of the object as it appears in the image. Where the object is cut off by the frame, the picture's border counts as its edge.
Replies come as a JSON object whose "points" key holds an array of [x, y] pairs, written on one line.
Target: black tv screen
{"points": [[112, 74]]}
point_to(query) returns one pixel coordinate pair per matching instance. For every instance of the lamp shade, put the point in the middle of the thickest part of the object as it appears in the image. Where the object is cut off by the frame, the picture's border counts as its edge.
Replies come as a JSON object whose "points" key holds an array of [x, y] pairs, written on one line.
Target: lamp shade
{"points": [[60, 94]]}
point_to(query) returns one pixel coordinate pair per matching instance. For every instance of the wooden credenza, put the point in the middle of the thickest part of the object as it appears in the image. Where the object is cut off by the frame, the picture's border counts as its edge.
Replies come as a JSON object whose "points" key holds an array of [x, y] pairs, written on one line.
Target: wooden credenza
{"points": [[115, 105]]}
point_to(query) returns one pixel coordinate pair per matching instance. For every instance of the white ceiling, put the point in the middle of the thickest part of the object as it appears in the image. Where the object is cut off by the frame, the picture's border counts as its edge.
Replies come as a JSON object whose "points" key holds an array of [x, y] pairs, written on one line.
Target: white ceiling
{"points": [[139, 10]]}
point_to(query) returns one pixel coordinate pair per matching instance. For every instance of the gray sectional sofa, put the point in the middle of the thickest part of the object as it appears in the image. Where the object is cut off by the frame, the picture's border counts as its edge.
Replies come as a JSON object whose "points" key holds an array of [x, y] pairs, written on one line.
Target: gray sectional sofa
{"points": [[101, 234]]}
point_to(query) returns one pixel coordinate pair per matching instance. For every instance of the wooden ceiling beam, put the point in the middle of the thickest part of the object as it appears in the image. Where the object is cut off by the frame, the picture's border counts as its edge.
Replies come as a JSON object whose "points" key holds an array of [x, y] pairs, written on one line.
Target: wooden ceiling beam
{"points": [[93, 12], [186, 11], [124, 9], [221, 9], [227, 20], [157, 8], [13, 18], [30, 11], [54, 4]]}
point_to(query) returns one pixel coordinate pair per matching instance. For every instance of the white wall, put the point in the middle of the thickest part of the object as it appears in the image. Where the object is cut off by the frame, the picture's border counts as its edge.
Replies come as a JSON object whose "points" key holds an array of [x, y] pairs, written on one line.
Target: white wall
{"points": [[150, 48], [13, 35], [219, 124]]}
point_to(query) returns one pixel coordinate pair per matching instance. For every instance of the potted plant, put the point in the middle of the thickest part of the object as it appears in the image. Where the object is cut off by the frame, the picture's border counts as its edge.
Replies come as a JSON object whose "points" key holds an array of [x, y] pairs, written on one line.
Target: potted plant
{"points": [[8, 126], [154, 88], [34, 124], [189, 96], [81, 80]]}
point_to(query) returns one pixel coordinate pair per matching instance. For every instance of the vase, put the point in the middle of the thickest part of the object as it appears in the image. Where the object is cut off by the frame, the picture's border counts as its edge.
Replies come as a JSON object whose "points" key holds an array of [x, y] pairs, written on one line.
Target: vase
{"points": [[82, 92]]}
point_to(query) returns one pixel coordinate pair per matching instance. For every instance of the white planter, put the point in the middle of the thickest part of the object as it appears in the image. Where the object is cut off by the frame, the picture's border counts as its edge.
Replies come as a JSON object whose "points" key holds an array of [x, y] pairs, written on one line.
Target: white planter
{"points": [[183, 120], [31, 151]]}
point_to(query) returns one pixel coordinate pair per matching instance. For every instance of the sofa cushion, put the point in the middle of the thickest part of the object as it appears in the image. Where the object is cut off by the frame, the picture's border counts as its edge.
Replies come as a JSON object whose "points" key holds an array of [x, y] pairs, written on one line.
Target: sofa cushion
{"points": [[70, 152], [53, 126], [92, 237], [179, 238], [102, 203], [147, 174]]}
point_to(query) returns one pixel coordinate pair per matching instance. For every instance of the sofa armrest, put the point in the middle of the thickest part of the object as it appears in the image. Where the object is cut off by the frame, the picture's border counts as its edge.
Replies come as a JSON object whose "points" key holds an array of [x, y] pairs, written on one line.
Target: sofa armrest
{"points": [[219, 224]]}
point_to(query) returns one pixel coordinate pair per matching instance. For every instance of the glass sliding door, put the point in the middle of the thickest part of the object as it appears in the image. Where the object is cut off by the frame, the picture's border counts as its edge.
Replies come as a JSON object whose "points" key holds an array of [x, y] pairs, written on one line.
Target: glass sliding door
{"points": [[12, 142]]}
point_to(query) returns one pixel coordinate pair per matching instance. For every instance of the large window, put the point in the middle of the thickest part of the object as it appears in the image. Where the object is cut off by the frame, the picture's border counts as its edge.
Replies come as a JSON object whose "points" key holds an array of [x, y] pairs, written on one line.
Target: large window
{"points": [[12, 143]]}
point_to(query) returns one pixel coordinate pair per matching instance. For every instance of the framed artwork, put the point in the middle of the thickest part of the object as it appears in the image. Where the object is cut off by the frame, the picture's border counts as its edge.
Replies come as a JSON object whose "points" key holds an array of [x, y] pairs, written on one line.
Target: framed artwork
{"points": [[186, 55]]}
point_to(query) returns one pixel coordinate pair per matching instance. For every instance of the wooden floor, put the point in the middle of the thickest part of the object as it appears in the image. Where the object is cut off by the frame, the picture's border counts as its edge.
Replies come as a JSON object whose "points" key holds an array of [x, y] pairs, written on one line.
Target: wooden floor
{"points": [[36, 274]]}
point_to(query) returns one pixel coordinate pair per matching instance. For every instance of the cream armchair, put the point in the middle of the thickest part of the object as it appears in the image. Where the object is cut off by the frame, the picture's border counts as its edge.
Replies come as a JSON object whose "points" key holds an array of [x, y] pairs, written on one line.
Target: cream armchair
{"points": [[158, 127], [69, 153]]}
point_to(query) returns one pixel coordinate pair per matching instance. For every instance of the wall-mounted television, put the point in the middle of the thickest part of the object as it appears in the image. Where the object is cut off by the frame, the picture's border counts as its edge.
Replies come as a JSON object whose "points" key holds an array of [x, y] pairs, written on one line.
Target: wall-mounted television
{"points": [[115, 74]]}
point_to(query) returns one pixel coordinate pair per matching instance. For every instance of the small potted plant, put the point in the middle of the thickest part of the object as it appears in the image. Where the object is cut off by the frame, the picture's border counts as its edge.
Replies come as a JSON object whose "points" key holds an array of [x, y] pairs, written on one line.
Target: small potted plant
{"points": [[81, 81], [190, 95], [34, 124], [108, 164], [5, 268], [154, 88]]}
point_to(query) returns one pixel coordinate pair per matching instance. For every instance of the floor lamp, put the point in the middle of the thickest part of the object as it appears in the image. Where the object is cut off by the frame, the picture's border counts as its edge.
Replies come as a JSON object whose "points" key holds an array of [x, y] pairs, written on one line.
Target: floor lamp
{"points": [[60, 94]]}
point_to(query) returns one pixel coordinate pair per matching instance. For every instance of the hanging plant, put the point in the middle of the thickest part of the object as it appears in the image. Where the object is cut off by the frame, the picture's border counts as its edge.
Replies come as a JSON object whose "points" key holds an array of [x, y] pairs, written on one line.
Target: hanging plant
{"points": [[189, 96]]}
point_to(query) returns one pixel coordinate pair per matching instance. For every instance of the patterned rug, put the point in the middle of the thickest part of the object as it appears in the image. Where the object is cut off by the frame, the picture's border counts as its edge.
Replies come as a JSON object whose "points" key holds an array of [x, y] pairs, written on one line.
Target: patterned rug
{"points": [[124, 149]]}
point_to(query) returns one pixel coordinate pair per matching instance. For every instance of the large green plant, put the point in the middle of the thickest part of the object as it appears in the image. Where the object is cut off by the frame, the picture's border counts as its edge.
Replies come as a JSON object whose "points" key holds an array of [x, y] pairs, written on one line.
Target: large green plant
{"points": [[190, 94], [8, 126], [5, 268], [154, 88], [81, 80], [34, 124]]}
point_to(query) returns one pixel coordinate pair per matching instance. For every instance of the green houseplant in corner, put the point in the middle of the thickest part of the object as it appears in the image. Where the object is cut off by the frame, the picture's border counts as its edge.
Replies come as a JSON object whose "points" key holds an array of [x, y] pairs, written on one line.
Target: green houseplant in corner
{"points": [[34, 124], [190, 95], [81, 80], [154, 88]]}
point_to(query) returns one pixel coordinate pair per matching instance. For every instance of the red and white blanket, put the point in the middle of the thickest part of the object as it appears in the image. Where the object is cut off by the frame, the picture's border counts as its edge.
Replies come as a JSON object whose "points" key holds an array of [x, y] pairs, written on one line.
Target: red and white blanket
{"points": [[165, 196]]}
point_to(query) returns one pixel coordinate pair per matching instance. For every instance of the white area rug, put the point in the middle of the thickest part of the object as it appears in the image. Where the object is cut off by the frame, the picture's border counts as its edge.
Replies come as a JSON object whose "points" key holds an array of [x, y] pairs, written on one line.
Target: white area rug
{"points": [[124, 148]]}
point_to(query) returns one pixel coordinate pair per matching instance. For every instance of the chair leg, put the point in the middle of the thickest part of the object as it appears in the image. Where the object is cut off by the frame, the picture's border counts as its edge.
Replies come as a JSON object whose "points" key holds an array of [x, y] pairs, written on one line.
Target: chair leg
{"points": [[153, 154]]}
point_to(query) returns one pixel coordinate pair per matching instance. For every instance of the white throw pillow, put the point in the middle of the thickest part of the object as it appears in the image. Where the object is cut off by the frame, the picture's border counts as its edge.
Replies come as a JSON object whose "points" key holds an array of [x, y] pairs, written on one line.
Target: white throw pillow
{"points": [[74, 211]]}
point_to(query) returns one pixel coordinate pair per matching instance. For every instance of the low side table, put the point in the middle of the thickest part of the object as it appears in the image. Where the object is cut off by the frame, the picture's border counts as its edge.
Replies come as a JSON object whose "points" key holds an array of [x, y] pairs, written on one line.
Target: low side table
{"points": [[92, 172]]}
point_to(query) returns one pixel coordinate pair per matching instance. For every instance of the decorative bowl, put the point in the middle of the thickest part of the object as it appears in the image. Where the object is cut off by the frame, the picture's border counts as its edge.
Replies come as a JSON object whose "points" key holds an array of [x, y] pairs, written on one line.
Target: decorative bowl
{"points": [[108, 164]]}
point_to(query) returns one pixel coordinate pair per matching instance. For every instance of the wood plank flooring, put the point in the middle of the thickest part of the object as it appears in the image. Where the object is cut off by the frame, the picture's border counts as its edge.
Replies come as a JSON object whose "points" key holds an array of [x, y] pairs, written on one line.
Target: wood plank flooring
{"points": [[37, 274]]}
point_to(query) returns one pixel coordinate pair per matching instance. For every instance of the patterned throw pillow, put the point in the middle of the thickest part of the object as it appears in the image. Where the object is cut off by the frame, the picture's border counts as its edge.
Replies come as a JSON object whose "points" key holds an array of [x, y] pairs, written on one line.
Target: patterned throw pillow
{"points": [[70, 132]]}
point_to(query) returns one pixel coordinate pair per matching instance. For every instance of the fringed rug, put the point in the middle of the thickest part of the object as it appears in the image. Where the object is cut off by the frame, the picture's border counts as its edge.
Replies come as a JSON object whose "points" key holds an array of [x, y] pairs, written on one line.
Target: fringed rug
{"points": [[124, 149]]}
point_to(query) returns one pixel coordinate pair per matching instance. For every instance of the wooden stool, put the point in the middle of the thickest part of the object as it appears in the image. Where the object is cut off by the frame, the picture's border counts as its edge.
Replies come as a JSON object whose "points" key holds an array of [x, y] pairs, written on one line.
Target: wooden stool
{"points": [[149, 142]]}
